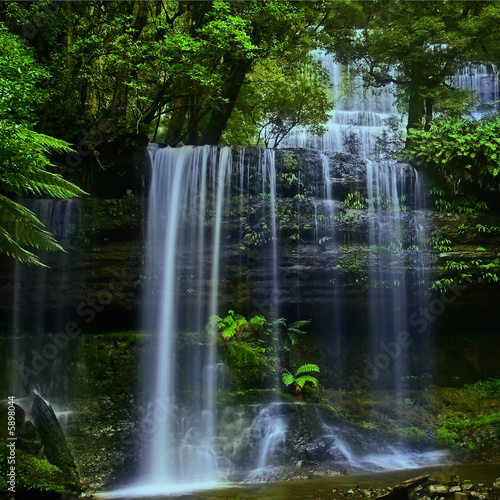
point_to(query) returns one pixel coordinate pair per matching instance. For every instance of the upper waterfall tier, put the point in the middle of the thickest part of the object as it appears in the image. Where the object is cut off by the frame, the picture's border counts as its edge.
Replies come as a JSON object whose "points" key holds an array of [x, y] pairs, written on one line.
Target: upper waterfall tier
{"points": [[359, 118], [365, 120]]}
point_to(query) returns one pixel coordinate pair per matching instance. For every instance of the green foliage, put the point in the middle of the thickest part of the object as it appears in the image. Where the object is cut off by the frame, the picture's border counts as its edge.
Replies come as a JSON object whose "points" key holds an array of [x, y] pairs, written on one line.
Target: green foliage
{"points": [[278, 96], [484, 389], [353, 268], [296, 329], [459, 153], [23, 155], [232, 324], [35, 474], [473, 271], [487, 229], [172, 70], [310, 367], [456, 430], [423, 41], [246, 345], [457, 202], [441, 244], [302, 377], [355, 201], [412, 434]]}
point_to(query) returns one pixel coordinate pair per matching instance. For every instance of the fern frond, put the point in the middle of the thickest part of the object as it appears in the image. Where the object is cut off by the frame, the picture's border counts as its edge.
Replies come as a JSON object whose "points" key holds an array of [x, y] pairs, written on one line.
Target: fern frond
{"points": [[301, 323], [42, 142], [288, 378], [301, 381], [297, 326], [9, 247], [40, 182], [20, 227], [258, 320], [310, 367]]}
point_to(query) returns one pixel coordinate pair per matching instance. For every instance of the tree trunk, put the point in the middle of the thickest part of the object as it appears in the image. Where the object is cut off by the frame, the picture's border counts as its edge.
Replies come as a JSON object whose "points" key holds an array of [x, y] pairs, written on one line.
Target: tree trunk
{"points": [[230, 92], [429, 102], [416, 112], [176, 124]]}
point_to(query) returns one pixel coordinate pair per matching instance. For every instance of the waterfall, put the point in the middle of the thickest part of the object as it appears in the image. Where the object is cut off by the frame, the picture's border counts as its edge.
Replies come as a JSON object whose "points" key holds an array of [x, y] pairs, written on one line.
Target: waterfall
{"points": [[394, 193], [37, 306], [176, 242], [216, 241], [483, 81], [360, 118], [194, 195]]}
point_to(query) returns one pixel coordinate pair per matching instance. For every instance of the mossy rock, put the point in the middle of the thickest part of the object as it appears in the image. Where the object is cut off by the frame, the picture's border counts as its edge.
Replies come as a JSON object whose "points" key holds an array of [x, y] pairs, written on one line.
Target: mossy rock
{"points": [[254, 396], [35, 478]]}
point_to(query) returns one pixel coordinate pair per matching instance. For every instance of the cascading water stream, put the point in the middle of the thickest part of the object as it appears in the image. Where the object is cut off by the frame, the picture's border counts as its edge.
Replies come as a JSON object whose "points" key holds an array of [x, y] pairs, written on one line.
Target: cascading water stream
{"points": [[37, 296], [190, 204], [359, 118], [484, 82]]}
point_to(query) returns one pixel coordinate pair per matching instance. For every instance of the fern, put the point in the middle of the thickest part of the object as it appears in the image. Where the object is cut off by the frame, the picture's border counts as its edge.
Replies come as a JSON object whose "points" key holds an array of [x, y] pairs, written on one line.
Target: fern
{"points": [[288, 378], [301, 381], [307, 368], [258, 320], [301, 377], [297, 326]]}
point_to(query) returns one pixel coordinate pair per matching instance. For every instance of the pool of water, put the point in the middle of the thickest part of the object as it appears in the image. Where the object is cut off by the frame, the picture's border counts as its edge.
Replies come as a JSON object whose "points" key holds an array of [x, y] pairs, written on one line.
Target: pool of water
{"points": [[324, 488]]}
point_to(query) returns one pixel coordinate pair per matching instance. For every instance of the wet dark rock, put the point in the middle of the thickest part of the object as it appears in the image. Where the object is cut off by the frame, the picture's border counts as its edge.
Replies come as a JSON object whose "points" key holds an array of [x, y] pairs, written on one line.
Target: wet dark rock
{"points": [[402, 490], [28, 440], [55, 447]]}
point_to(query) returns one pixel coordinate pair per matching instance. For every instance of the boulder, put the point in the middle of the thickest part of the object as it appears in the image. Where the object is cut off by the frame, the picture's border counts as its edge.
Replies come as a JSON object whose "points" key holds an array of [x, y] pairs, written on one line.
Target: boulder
{"points": [[52, 437]]}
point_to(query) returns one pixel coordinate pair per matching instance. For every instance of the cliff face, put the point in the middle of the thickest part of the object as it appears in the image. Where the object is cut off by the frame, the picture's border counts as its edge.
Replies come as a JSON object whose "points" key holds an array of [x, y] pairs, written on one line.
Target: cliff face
{"points": [[327, 255]]}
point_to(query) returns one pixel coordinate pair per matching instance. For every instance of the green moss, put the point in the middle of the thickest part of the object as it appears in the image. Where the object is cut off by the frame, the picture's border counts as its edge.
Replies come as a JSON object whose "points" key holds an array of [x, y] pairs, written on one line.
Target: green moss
{"points": [[408, 433], [463, 430], [35, 474], [369, 426], [353, 270], [110, 362], [447, 437], [252, 396]]}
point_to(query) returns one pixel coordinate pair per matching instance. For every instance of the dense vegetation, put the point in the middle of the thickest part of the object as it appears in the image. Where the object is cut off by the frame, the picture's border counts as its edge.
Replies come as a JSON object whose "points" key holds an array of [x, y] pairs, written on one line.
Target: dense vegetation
{"points": [[199, 72]]}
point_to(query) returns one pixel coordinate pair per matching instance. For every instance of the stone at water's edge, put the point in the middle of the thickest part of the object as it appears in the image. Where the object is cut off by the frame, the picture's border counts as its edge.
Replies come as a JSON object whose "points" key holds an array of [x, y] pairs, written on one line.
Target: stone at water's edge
{"points": [[49, 429]]}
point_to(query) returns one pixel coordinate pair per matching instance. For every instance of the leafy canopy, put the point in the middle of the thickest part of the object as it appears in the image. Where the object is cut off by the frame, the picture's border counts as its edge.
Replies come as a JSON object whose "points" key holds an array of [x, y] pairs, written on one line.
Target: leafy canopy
{"points": [[23, 155]]}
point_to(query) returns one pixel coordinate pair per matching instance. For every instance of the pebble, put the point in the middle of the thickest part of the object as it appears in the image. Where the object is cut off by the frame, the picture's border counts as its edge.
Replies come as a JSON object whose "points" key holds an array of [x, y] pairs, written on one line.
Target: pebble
{"points": [[437, 489]]}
